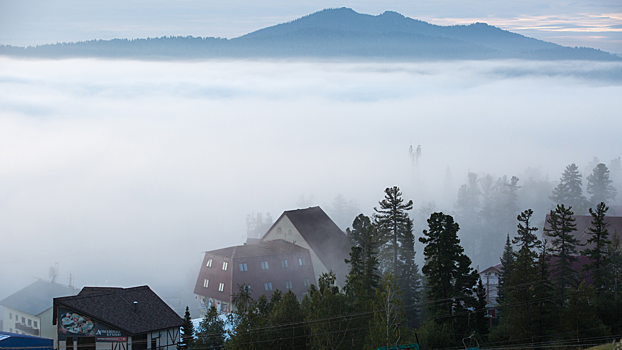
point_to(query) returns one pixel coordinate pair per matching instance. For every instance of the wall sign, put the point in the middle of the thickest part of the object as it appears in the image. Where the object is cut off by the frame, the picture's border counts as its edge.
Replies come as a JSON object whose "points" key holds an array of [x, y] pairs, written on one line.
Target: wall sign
{"points": [[74, 324]]}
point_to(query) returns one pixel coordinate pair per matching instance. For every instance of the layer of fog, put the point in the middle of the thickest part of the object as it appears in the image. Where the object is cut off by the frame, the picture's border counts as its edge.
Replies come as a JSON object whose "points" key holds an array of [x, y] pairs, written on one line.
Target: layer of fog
{"points": [[124, 172]]}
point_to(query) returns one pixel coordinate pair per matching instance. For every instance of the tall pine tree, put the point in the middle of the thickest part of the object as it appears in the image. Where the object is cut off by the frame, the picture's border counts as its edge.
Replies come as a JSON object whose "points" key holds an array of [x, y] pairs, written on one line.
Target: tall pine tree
{"points": [[391, 219]]}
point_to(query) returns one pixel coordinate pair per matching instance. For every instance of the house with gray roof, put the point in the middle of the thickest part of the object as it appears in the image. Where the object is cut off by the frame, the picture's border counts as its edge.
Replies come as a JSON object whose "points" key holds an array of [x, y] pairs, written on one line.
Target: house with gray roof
{"points": [[29, 310], [106, 318]]}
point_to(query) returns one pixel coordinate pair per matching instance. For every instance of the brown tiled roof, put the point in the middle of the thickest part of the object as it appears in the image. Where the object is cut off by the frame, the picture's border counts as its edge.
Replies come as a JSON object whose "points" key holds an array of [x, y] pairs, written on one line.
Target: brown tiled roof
{"points": [[115, 307], [262, 248], [324, 237], [584, 222]]}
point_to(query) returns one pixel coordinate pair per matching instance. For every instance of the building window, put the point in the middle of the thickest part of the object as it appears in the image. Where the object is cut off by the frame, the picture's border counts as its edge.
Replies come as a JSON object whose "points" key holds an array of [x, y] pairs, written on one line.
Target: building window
{"points": [[306, 282], [288, 285], [23, 320], [264, 265], [29, 322], [10, 316], [209, 263], [16, 318], [243, 267], [278, 231], [221, 287], [268, 286], [301, 261], [35, 324], [225, 265], [284, 263], [206, 283]]}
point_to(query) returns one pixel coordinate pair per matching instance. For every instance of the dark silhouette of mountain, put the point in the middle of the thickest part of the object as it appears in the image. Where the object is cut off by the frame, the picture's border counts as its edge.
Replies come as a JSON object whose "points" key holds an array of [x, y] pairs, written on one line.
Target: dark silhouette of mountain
{"points": [[333, 33]]}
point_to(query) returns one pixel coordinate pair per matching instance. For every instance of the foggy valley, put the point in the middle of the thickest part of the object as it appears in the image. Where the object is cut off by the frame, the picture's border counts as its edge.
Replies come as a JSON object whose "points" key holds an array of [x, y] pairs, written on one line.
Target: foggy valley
{"points": [[127, 162], [152, 163]]}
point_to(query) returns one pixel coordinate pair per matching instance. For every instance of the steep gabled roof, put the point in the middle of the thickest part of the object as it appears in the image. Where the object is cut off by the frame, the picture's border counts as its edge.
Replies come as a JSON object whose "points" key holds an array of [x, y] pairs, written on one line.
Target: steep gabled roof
{"points": [[324, 237], [261, 248], [37, 297], [115, 307]]}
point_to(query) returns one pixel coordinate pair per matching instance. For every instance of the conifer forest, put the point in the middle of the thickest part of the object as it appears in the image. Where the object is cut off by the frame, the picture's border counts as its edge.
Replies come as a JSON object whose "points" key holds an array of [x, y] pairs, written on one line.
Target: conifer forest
{"points": [[544, 300]]}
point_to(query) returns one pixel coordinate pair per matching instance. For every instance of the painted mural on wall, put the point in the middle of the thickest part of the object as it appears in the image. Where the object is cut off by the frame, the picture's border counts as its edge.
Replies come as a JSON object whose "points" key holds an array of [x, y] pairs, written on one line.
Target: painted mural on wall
{"points": [[73, 324]]}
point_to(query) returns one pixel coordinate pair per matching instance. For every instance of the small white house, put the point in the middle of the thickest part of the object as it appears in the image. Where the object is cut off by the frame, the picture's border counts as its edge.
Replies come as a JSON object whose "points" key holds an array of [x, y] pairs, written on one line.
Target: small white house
{"points": [[29, 310]]}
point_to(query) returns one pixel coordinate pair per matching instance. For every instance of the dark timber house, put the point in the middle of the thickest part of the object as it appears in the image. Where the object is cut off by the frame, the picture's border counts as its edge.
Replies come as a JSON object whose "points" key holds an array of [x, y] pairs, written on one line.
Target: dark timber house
{"points": [[115, 319], [300, 246]]}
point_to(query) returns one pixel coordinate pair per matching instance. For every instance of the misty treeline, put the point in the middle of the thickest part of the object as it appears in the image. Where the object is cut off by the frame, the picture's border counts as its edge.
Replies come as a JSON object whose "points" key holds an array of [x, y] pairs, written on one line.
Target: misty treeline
{"points": [[386, 299], [486, 207]]}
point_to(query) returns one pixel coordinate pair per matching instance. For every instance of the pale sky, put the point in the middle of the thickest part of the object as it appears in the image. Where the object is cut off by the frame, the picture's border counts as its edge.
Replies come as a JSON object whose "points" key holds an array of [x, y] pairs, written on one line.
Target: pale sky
{"points": [[595, 24]]}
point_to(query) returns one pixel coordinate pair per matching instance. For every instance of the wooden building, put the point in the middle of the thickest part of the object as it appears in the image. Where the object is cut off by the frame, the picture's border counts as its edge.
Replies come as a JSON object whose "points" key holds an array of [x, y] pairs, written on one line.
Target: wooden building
{"points": [[104, 318], [300, 246]]}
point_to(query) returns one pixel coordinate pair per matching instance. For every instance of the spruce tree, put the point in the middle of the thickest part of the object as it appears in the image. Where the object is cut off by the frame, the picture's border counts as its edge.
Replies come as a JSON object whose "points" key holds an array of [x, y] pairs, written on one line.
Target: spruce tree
{"points": [[211, 332], [391, 220], [520, 305], [569, 191], [564, 248], [286, 323], [599, 186], [187, 332], [363, 278], [365, 235], [543, 293], [409, 280], [507, 265], [483, 323], [450, 278], [598, 268]]}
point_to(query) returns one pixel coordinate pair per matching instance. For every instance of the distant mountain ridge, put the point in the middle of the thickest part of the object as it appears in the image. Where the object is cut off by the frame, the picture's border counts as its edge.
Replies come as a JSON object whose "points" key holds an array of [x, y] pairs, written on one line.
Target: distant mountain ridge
{"points": [[333, 33]]}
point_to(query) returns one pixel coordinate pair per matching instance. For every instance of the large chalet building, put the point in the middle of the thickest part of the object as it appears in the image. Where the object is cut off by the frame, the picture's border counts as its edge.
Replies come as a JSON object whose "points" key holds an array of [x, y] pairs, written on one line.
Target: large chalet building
{"points": [[300, 246]]}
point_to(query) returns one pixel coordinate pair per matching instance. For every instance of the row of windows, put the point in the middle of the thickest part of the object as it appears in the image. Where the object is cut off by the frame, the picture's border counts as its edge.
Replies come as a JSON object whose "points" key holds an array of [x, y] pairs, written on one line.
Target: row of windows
{"points": [[266, 266], [31, 323], [225, 264], [221, 286]]}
